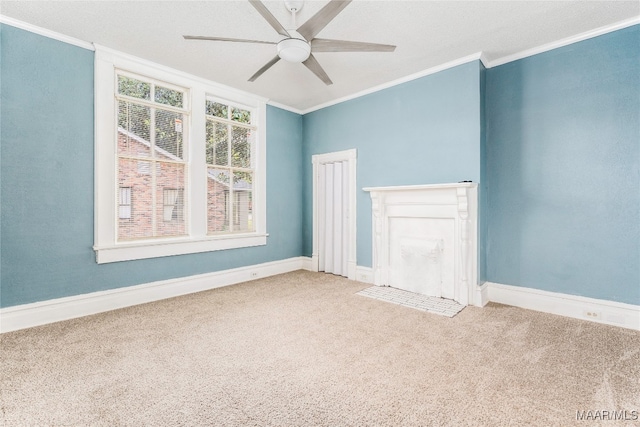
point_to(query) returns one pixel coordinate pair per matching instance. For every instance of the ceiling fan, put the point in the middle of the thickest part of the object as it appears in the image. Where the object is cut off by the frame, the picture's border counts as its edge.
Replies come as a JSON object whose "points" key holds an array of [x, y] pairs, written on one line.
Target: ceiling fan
{"points": [[299, 45]]}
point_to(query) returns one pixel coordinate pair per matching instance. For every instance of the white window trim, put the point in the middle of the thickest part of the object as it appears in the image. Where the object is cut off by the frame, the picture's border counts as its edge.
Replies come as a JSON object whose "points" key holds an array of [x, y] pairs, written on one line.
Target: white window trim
{"points": [[106, 246]]}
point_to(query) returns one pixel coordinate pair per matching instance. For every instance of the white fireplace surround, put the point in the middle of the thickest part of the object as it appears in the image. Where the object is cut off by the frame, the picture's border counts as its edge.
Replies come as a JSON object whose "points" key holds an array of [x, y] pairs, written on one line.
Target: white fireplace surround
{"points": [[425, 239]]}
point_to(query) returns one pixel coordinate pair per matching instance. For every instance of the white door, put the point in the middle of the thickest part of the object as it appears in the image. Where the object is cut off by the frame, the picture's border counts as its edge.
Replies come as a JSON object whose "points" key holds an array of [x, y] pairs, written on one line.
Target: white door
{"points": [[333, 217]]}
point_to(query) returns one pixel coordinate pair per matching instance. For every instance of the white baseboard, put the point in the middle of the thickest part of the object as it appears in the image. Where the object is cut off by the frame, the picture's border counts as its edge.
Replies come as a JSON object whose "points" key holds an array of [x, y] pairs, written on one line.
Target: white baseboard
{"points": [[50, 311], [578, 307], [352, 269], [311, 264], [481, 295], [307, 263]]}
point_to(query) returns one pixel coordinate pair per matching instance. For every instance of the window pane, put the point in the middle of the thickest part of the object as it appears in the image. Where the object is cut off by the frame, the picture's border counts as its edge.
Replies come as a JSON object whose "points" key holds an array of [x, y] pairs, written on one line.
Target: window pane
{"points": [[169, 135], [243, 206], [217, 143], [217, 110], [170, 202], [139, 223], [173, 204], [210, 144], [124, 203], [169, 199], [168, 96], [133, 87], [125, 195], [242, 181], [134, 123], [124, 212], [145, 201], [239, 115], [144, 168], [217, 200], [240, 147]]}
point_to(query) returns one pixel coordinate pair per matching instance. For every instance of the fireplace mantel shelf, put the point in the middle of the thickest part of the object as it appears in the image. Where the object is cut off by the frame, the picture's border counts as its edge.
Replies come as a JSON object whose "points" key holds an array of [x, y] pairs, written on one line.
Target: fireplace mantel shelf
{"points": [[423, 187]]}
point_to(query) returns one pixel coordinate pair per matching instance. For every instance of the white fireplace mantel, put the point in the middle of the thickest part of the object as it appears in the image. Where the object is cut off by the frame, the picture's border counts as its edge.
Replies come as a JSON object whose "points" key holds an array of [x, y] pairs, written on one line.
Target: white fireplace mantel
{"points": [[425, 239]]}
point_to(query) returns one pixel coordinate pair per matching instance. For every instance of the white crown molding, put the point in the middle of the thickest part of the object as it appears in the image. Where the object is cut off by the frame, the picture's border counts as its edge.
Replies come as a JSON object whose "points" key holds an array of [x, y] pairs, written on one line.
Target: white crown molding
{"points": [[56, 310], [474, 57], [96, 47], [44, 32], [484, 60], [564, 42], [229, 91], [284, 107], [578, 307], [482, 57]]}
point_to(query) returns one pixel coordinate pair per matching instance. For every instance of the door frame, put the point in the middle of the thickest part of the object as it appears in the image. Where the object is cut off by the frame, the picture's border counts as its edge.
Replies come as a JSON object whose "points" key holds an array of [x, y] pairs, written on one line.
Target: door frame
{"points": [[349, 156]]}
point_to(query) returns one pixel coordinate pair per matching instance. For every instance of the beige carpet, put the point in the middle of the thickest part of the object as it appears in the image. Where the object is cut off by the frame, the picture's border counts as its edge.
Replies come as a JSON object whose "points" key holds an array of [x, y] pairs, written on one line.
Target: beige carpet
{"points": [[302, 349]]}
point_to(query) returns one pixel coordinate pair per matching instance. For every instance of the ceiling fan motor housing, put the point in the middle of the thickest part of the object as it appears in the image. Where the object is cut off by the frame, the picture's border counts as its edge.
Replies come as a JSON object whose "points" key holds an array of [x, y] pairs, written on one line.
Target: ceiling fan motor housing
{"points": [[294, 49]]}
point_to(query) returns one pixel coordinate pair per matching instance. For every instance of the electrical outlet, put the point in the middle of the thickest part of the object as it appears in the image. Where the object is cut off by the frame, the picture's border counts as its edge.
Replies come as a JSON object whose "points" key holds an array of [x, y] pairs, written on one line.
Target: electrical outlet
{"points": [[590, 314], [254, 274], [365, 278]]}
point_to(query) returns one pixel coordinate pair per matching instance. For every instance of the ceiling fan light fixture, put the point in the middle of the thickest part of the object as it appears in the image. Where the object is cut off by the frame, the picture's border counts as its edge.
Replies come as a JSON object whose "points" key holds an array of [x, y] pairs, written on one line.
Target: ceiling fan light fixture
{"points": [[298, 44], [294, 50]]}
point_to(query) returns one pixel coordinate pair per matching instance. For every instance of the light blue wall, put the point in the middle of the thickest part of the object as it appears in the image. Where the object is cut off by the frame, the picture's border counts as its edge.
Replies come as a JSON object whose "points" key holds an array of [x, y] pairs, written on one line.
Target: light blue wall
{"points": [[46, 180], [1, 26], [553, 140], [425, 131], [563, 169]]}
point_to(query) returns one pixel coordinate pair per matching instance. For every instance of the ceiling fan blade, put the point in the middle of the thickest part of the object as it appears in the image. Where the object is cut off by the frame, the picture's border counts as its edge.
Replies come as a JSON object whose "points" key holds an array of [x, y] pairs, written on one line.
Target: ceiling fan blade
{"points": [[264, 68], [325, 45], [225, 39], [317, 22], [312, 64], [262, 10]]}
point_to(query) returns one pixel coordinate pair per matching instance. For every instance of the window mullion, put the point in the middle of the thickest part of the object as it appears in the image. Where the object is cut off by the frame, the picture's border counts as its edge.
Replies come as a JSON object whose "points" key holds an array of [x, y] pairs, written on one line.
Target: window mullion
{"points": [[147, 103], [197, 167], [153, 165], [231, 204], [229, 148], [232, 122]]}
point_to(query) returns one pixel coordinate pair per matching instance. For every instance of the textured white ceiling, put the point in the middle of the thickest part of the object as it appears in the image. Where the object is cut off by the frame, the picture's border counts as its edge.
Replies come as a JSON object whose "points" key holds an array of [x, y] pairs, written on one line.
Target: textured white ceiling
{"points": [[426, 33]]}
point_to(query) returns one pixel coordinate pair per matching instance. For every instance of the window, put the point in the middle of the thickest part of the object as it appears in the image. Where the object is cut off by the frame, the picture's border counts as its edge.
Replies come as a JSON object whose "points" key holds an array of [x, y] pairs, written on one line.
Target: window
{"points": [[230, 168], [173, 204], [189, 153], [124, 205], [151, 153]]}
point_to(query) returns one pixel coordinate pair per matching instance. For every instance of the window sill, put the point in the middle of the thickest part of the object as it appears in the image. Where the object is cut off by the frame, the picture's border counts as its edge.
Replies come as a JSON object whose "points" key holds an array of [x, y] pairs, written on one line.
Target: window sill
{"points": [[167, 247]]}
